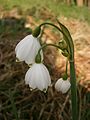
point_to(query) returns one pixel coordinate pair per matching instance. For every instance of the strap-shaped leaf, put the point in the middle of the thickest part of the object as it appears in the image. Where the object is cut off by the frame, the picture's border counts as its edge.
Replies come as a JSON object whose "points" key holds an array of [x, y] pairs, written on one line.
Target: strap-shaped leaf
{"points": [[67, 37]]}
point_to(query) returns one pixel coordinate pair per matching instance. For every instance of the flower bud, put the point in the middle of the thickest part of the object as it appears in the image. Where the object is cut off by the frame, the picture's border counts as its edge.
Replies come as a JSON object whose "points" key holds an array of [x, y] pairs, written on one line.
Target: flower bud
{"points": [[62, 44], [62, 85], [65, 53]]}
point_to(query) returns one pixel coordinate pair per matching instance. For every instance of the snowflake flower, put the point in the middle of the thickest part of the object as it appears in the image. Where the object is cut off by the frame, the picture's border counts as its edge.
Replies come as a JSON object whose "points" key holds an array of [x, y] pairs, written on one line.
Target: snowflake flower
{"points": [[27, 49], [62, 85], [38, 77]]}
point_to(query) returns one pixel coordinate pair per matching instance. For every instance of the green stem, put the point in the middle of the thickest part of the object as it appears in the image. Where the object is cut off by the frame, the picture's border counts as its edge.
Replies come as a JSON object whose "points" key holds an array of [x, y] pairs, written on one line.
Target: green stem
{"points": [[38, 56], [45, 45], [73, 91], [65, 76], [68, 41], [72, 71], [66, 67]]}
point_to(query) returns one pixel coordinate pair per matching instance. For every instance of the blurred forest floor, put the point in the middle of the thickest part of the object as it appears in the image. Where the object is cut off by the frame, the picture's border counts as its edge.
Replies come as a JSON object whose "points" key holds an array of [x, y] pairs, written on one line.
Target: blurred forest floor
{"points": [[14, 26]]}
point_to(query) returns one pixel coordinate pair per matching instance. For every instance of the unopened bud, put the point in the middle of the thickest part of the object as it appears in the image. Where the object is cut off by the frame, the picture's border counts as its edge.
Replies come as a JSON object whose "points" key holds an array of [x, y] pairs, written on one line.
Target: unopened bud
{"points": [[62, 44], [65, 53]]}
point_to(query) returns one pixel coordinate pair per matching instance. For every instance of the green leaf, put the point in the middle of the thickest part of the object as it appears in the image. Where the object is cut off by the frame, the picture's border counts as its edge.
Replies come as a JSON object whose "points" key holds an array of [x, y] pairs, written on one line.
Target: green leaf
{"points": [[67, 37], [65, 30]]}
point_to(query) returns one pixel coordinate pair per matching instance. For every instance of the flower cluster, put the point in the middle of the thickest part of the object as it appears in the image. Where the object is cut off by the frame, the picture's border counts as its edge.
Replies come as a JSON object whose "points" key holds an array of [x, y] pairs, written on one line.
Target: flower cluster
{"points": [[38, 75]]}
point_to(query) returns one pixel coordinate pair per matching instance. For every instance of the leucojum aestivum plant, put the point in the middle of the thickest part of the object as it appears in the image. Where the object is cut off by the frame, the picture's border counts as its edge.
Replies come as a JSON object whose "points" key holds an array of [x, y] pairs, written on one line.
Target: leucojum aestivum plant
{"points": [[37, 77]]}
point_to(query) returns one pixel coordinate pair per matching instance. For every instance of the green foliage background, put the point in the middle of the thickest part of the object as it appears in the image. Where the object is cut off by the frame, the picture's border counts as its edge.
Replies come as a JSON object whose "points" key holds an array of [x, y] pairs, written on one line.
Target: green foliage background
{"points": [[57, 6]]}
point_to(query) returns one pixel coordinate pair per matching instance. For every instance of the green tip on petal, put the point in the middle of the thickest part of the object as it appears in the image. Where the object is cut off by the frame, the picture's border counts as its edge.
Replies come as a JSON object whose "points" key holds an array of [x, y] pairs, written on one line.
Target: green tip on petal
{"points": [[65, 53], [31, 89], [17, 60], [44, 90], [63, 44], [29, 65]]}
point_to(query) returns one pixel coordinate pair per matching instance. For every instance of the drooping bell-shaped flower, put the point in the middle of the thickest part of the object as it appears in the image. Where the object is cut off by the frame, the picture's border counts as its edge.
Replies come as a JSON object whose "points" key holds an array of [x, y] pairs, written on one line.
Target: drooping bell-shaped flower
{"points": [[38, 77], [27, 49], [62, 85]]}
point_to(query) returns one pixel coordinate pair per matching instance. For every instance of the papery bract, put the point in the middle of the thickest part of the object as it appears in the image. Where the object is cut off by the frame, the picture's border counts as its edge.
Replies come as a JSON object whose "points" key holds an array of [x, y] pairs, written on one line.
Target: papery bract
{"points": [[27, 49], [38, 77]]}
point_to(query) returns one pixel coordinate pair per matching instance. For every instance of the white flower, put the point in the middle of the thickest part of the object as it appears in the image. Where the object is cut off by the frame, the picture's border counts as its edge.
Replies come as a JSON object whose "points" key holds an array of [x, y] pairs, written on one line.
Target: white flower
{"points": [[27, 49], [62, 85], [38, 77]]}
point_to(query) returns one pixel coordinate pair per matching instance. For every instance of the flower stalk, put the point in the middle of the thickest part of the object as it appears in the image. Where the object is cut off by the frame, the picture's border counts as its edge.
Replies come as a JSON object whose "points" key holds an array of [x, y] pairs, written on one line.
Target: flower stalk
{"points": [[45, 45], [68, 39], [73, 91], [72, 72]]}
